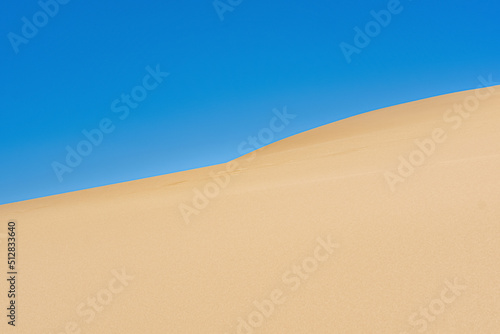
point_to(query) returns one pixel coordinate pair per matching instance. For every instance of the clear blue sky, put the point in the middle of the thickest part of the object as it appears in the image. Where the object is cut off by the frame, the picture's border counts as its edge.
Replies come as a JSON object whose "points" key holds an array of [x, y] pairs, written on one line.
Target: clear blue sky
{"points": [[225, 77]]}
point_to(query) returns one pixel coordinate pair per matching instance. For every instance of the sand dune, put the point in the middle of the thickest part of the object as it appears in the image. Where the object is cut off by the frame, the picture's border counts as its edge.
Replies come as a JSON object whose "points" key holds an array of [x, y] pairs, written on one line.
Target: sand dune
{"points": [[386, 222]]}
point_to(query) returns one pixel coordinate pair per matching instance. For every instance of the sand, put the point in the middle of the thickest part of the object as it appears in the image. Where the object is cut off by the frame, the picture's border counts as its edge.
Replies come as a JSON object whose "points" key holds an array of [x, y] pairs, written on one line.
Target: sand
{"points": [[317, 233]]}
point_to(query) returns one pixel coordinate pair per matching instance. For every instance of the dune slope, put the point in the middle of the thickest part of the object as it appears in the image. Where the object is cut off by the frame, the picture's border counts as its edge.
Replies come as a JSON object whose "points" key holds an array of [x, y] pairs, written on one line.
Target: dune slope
{"points": [[386, 222]]}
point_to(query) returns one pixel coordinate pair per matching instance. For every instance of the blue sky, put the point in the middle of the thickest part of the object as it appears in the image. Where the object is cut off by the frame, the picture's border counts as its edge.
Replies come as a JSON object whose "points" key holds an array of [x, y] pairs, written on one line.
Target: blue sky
{"points": [[225, 77]]}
